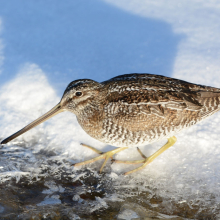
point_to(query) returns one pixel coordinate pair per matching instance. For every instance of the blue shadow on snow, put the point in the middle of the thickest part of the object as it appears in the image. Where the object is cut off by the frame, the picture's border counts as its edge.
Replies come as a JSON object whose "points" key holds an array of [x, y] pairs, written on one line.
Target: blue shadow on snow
{"points": [[83, 39]]}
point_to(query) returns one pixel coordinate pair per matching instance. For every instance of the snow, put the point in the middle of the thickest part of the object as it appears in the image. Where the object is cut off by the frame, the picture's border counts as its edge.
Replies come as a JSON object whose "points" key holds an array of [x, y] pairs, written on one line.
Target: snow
{"points": [[42, 50], [197, 22]]}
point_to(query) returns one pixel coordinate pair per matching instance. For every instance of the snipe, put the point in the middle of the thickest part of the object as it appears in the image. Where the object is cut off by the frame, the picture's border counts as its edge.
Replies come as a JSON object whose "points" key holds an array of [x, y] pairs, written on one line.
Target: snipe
{"points": [[132, 110]]}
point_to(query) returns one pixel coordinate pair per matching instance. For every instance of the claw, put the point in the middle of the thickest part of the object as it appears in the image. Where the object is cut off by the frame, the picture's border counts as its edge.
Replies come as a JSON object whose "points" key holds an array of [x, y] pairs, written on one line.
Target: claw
{"points": [[171, 141], [103, 155], [106, 155]]}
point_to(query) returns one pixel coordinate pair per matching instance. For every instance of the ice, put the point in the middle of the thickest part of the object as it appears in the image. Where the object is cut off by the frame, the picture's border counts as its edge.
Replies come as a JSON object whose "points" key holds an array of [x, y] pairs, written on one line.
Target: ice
{"points": [[50, 200], [133, 211], [127, 214], [100, 203], [1, 209], [101, 40]]}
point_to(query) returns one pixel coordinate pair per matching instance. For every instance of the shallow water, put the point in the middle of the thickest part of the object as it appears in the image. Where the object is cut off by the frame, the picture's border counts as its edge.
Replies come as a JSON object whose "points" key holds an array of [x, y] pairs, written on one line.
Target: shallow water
{"points": [[39, 186]]}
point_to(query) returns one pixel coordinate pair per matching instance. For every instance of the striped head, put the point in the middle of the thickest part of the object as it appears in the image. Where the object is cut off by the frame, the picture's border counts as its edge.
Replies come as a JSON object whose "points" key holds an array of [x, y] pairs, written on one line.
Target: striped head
{"points": [[79, 93]]}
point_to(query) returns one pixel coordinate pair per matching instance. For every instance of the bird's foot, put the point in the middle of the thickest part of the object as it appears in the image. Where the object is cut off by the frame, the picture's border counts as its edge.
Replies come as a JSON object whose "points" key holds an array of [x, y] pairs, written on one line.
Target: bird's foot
{"points": [[171, 141], [103, 155]]}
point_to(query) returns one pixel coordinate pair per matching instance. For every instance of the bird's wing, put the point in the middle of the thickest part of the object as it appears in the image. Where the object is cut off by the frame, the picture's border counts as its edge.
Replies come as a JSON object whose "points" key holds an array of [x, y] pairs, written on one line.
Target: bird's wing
{"points": [[137, 100], [158, 92], [158, 82], [150, 102]]}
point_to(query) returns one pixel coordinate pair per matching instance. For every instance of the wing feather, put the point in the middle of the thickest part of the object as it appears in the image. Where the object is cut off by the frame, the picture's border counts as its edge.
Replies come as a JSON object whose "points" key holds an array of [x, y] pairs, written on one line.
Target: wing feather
{"points": [[139, 95]]}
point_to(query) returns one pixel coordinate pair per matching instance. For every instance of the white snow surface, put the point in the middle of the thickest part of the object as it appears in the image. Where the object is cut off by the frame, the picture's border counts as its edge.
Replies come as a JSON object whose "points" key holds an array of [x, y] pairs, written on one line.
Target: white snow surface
{"points": [[187, 172]]}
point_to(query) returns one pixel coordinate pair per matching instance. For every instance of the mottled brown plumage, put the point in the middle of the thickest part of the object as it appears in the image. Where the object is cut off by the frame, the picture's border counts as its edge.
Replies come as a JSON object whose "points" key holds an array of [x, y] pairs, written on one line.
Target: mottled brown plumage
{"points": [[134, 109]]}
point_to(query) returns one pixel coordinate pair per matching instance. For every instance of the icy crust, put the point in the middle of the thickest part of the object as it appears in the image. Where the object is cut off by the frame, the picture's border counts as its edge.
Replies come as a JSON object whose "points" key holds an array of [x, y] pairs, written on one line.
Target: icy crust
{"points": [[36, 171]]}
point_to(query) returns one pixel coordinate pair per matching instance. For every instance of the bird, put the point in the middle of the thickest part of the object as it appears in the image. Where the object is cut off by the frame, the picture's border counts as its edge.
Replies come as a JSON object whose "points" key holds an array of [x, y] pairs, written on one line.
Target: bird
{"points": [[131, 110]]}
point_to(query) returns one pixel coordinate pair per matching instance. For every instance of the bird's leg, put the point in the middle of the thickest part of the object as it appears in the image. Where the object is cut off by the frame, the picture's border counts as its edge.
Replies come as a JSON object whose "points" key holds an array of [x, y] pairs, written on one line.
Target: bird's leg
{"points": [[171, 141], [103, 155], [92, 148]]}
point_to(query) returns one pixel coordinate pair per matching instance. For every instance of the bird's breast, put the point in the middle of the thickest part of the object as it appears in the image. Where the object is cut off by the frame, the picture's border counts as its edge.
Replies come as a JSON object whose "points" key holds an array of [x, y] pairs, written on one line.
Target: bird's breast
{"points": [[125, 126]]}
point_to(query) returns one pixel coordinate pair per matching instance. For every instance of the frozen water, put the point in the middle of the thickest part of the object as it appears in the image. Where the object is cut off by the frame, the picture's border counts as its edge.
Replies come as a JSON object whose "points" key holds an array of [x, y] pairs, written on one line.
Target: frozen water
{"points": [[41, 52], [128, 214], [50, 200]]}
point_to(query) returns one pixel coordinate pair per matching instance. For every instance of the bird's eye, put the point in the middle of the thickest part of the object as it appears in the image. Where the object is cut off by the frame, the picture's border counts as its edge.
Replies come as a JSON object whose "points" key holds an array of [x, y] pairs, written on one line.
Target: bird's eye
{"points": [[78, 93]]}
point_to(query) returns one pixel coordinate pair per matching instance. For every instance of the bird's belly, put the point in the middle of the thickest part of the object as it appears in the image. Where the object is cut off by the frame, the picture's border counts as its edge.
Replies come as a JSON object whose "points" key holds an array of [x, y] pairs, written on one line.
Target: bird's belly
{"points": [[122, 133], [118, 136]]}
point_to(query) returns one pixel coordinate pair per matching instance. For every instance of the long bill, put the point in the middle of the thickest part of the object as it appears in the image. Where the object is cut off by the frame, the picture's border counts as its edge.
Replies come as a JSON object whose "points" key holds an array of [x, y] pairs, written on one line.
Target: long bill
{"points": [[55, 110]]}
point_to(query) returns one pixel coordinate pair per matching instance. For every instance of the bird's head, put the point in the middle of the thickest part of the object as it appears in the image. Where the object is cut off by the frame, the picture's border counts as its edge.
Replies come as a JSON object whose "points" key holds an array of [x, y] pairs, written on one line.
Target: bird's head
{"points": [[79, 94], [76, 97]]}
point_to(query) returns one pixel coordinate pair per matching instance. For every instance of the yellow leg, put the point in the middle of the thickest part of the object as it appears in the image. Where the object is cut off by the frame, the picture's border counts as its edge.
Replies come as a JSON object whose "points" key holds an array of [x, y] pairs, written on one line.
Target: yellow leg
{"points": [[103, 155], [171, 141]]}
